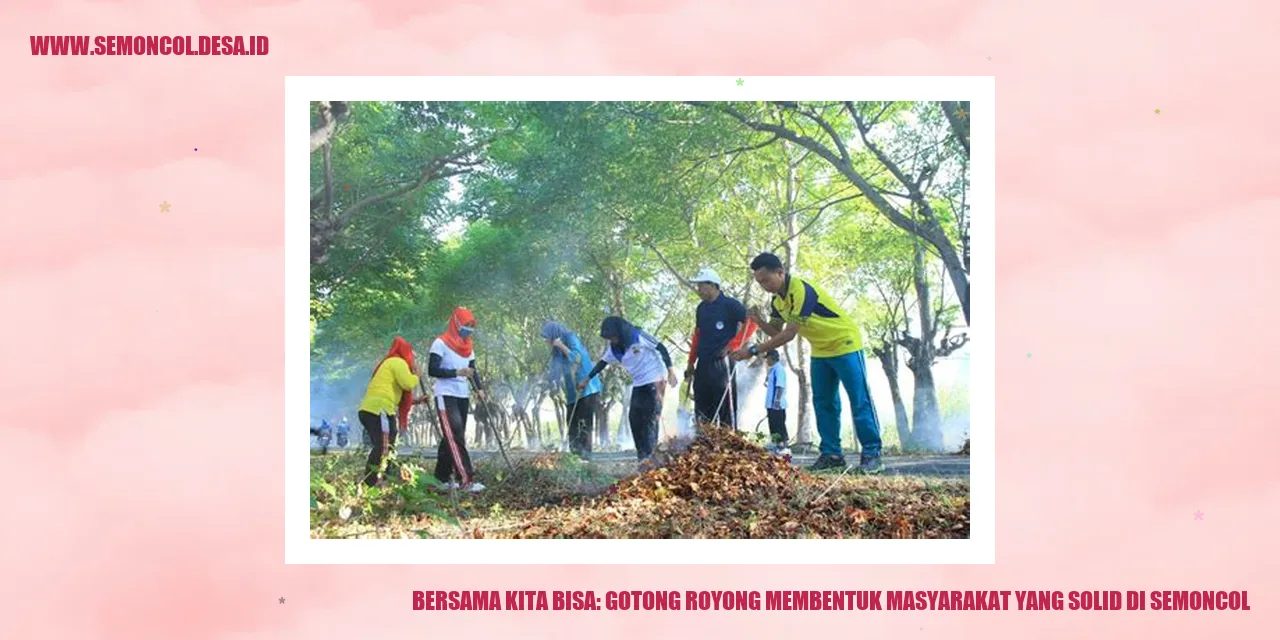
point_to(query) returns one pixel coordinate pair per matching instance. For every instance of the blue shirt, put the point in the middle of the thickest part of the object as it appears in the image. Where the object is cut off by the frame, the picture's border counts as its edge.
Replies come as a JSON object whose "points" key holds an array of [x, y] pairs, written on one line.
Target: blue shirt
{"points": [[777, 381], [717, 325], [562, 368]]}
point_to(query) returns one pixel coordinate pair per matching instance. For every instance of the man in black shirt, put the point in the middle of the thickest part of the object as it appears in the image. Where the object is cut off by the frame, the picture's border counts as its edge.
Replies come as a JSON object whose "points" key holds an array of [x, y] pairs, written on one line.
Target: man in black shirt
{"points": [[719, 319]]}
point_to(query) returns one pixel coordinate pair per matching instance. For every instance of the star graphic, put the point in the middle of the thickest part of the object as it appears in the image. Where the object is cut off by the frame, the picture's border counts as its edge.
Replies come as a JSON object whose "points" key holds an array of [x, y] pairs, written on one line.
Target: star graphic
{"points": [[1157, 112], [988, 58], [164, 207], [1028, 355], [739, 82], [281, 600], [960, 113], [1199, 515]]}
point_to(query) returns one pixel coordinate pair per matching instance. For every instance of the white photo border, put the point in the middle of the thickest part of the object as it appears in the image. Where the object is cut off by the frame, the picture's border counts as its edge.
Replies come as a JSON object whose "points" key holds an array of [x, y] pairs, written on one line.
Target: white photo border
{"points": [[300, 548]]}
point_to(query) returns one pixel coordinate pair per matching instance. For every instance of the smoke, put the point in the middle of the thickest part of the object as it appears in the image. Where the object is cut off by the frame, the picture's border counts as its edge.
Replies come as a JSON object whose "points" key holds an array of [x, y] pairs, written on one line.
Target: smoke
{"points": [[685, 420], [955, 430], [750, 389], [335, 400]]}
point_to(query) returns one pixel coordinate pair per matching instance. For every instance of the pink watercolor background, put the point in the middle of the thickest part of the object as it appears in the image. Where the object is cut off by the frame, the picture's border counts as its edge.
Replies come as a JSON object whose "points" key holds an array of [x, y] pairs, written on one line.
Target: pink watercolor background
{"points": [[1136, 263]]}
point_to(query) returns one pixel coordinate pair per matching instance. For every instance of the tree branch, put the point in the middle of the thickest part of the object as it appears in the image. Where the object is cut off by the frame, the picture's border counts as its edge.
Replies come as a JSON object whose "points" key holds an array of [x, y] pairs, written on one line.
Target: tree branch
{"points": [[328, 180], [912, 186], [959, 126], [812, 221], [822, 122], [845, 168]]}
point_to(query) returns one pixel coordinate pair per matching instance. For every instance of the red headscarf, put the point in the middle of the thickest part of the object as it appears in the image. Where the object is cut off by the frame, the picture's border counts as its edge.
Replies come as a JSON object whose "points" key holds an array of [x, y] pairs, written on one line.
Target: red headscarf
{"points": [[453, 338], [400, 348]]}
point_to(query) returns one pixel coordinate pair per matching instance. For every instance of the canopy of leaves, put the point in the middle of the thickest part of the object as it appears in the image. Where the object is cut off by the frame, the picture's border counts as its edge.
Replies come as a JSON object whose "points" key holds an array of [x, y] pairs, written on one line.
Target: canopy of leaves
{"points": [[525, 212]]}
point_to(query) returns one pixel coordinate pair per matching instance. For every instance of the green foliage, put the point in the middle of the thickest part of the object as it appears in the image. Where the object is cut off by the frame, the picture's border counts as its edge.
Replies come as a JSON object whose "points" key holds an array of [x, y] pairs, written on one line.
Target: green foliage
{"points": [[574, 210], [338, 497]]}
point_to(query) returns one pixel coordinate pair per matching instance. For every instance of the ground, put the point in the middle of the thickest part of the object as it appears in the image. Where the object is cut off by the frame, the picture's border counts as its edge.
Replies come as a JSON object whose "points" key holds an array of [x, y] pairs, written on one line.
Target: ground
{"points": [[717, 486]]}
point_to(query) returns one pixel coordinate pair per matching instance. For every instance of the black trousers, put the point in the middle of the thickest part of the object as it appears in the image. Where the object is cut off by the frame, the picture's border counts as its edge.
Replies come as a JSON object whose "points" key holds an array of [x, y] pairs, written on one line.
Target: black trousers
{"points": [[454, 415], [778, 425], [373, 433], [582, 422], [710, 378], [644, 419]]}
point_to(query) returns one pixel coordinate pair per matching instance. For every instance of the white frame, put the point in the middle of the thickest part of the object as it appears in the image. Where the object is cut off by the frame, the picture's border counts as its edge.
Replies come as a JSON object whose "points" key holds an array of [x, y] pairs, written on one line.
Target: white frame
{"points": [[300, 548]]}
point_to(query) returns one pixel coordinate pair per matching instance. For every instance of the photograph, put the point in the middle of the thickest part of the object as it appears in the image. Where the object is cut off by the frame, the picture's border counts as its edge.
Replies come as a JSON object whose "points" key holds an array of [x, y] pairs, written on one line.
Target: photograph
{"points": [[639, 319]]}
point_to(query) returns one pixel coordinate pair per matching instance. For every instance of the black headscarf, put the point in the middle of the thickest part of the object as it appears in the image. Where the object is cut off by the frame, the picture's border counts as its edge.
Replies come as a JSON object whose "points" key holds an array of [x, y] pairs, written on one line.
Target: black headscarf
{"points": [[616, 327]]}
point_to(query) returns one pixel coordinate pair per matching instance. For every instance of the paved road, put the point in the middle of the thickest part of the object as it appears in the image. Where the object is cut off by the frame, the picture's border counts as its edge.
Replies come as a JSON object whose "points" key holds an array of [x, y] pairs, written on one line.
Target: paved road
{"points": [[937, 466]]}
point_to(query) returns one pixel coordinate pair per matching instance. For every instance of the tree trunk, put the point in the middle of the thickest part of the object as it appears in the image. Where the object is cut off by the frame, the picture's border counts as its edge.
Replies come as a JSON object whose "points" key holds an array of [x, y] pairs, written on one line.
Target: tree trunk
{"points": [[602, 423], [959, 123], [561, 409], [887, 353], [927, 433], [800, 366], [482, 435], [531, 440], [623, 437], [804, 429], [536, 415], [619, 305]]}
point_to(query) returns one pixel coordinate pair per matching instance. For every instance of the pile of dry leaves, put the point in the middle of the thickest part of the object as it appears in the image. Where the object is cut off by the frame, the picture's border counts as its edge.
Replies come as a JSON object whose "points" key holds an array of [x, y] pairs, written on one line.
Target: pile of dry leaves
{"points": [[722, 486]]}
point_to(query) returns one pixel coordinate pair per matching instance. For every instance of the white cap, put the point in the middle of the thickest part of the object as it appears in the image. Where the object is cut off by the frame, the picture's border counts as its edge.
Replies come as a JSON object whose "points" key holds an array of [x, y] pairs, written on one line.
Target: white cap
{"points": [[706, 275]]}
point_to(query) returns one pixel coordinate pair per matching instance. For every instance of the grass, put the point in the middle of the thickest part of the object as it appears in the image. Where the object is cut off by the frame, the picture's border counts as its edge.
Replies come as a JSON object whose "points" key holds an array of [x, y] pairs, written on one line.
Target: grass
{"points": [[721, 487]]}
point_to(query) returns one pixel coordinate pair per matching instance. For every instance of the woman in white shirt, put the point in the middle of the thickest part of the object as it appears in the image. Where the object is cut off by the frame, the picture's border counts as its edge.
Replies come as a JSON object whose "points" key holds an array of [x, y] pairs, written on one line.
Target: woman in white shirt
{"points": [[645, 359], [451, 363]]}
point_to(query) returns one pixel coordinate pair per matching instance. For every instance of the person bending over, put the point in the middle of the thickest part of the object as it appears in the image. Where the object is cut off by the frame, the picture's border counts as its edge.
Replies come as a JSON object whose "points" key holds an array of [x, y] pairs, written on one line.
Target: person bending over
{"points": [[800, 308], [644, 358]]}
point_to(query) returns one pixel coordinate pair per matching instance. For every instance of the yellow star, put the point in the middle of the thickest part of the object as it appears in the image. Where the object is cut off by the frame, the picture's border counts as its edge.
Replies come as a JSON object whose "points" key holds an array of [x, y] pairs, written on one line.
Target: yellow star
{"points": [[164, 207], [960, 113]]}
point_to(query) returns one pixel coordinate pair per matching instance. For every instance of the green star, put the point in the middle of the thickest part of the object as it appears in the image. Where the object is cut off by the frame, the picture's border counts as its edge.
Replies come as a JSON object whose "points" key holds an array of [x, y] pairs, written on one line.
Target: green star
{"points": [[1028, 355], [739, 82], [1157, 112]]}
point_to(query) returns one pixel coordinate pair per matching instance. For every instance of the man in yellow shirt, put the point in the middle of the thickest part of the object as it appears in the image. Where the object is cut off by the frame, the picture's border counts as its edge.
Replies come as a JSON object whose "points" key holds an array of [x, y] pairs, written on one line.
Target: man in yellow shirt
{"points": [[800, 308]]}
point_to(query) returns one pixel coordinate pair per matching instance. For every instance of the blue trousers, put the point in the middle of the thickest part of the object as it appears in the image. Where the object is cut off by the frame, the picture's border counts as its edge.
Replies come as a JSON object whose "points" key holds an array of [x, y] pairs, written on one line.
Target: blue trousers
{"points": [[851, 371]]}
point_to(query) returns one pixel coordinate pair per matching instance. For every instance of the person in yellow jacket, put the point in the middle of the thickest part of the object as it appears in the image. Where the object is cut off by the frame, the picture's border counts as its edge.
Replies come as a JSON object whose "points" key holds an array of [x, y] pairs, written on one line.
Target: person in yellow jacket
{"points": [[802, 309], [386, 405]]}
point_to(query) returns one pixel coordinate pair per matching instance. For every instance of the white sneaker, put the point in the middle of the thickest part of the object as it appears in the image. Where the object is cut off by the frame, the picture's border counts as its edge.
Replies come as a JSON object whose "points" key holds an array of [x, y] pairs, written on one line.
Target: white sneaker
{"points": [[454, 485], [475, 487], [783, 451]]}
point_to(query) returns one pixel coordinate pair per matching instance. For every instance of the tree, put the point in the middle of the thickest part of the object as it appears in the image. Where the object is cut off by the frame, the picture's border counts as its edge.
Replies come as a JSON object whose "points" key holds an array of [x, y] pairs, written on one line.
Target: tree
{"points": [[806, 124], [380, 172], [936, 323], [882, 274], [573, 211]]}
